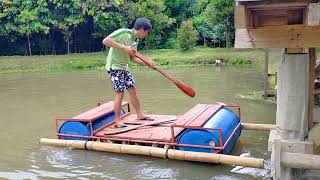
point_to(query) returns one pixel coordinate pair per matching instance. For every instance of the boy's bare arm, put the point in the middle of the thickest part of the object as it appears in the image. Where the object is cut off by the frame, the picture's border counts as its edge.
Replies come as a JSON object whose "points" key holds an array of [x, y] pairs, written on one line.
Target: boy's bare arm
{"points": [[112, 43], [139, 61]]}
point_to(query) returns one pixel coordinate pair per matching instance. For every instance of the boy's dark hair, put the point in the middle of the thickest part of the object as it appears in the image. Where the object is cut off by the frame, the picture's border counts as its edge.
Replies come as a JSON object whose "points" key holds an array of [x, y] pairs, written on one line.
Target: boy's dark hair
{"points": [[143, 23]]}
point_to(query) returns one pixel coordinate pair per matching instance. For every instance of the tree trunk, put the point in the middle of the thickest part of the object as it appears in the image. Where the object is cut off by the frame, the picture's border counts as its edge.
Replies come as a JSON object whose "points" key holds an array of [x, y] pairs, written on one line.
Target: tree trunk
{"points": [[53, 49], [29, 44], [75, 43], [68, 44], [53, 52], [226, 37]]}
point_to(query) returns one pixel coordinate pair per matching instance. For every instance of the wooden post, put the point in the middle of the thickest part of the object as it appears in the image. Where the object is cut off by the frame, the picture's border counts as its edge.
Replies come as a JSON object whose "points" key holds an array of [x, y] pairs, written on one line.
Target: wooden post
{"points": [[276, 159], [266, 72], [313, 19], [312, 63]]}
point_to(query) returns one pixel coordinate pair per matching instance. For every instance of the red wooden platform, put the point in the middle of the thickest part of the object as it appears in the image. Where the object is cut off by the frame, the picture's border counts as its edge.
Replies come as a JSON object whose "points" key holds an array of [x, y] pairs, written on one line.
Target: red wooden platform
{"points": [[160, 134], [103, 108], [196, 116]]}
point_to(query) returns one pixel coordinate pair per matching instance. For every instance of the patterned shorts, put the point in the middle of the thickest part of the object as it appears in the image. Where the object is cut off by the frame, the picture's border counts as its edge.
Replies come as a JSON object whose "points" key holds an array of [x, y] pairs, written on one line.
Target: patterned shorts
{"points": [[121, 80]]}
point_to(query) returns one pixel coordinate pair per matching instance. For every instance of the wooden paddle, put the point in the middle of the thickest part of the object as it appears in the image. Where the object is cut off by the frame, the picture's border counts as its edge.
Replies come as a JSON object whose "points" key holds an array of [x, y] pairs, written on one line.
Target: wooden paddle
{"points": [[181, 85], [133, 127]]}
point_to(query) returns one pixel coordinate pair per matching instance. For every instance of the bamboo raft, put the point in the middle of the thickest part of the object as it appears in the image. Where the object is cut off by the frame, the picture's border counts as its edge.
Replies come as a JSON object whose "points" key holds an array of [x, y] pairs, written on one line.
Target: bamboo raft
{"points": [[182, 137]]}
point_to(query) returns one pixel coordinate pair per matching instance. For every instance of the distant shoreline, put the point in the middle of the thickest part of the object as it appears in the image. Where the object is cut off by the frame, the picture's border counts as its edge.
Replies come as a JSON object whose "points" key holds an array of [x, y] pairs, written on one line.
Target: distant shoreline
{"points": [[163, 57]]}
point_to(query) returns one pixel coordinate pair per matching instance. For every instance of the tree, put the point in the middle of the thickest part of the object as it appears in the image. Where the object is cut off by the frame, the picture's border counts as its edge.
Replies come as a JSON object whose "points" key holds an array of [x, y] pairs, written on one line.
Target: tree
{"points": [[107, 16], [68, 16], [203, 27], [182, 9], [7, 27], [33, 26], [28, 21], [187, 35], [222, 12], [6, 18], [155, 11]]}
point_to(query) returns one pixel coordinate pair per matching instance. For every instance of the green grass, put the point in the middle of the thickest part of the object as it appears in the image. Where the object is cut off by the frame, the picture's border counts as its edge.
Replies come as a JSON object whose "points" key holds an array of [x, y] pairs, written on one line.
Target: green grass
{"points": [[317, 150], [51, 63], [162, 57]]}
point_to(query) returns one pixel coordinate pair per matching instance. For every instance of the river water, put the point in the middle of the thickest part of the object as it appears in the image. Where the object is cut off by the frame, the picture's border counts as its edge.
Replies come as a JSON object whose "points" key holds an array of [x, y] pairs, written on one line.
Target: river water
{"points": [[31, 101]]}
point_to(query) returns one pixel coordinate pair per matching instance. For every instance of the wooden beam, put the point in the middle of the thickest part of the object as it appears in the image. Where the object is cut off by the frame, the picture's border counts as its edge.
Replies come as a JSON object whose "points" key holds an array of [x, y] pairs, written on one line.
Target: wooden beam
{"points": [[260, 2], [295, 17], [286, 36], [247, 0], [296, 50], [270, 20], [294, 5]]}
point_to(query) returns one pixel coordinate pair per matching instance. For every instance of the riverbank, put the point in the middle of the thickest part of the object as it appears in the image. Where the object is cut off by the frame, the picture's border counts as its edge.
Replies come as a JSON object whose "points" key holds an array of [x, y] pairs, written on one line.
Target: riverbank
{"points": [[163, 57]]}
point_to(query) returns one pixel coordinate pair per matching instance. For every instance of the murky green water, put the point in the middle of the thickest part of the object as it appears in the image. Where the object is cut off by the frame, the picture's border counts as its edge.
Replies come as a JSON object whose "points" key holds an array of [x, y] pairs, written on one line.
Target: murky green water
{"points": [[30, 102]]}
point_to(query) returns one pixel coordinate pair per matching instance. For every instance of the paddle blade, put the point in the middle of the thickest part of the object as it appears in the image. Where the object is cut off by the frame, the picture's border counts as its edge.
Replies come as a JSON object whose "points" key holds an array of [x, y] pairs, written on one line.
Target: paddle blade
{"points": [[185, 88]]}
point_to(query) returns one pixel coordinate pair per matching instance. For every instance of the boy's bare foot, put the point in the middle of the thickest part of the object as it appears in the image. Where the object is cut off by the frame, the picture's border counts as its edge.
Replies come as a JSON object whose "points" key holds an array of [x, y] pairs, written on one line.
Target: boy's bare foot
{"points": [[145, 118], [117, 120]]}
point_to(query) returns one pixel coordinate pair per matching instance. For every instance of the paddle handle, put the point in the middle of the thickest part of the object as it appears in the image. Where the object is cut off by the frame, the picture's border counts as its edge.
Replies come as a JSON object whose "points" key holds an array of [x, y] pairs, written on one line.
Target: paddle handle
{"points": [[164, 73], [181, 85]]}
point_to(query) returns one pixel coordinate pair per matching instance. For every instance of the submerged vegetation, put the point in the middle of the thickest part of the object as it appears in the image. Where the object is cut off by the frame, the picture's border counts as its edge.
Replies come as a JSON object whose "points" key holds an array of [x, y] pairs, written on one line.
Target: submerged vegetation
{"points": [[256, 96]]}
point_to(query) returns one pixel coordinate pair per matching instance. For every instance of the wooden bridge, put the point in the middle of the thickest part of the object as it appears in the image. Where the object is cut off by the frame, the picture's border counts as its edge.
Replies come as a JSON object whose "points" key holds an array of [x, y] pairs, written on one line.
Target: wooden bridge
{"points": [[293, 25]]}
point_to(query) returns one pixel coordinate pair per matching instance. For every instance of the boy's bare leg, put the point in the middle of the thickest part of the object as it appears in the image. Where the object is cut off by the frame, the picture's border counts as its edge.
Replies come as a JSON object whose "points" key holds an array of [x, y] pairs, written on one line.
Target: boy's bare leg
{"points": [[135, 102], [117, 105]]}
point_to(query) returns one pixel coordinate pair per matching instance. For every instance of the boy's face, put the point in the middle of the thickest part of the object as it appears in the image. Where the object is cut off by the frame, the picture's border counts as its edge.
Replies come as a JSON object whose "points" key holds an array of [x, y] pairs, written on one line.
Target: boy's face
{"points": [[143, 33]]}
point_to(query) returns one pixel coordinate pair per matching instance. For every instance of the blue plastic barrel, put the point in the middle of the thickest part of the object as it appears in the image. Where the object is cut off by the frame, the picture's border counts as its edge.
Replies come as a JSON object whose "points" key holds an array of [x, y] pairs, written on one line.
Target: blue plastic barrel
{"points": [[83, 128], [226, 120]]}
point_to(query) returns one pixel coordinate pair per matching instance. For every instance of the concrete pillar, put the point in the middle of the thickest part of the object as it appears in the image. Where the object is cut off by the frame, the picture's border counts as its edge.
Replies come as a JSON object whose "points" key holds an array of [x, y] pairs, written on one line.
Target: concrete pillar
{"points": [[292, 109], [292, 101]]}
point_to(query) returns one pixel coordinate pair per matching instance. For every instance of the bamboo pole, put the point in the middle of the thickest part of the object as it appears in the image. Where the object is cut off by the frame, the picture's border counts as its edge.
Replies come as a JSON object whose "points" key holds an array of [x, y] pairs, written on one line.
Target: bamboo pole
{"points": [[300, 161], [157, 152], [258, 127]]}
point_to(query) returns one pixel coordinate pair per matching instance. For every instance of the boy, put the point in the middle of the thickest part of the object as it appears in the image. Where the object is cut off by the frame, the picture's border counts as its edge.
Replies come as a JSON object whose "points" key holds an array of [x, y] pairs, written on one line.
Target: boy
{"points": [[121, 43]]}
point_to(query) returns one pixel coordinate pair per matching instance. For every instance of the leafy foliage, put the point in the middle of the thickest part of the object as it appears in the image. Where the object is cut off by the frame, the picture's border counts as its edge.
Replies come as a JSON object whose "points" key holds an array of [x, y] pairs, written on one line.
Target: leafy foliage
{"points": [[66, 26], [187, 35]]}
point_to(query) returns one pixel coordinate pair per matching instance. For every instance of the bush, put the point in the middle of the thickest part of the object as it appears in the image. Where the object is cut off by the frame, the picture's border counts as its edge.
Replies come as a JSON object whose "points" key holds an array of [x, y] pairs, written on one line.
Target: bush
{"points": [[87, 64], [240, 61], [172, 43], [187, 35]]}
